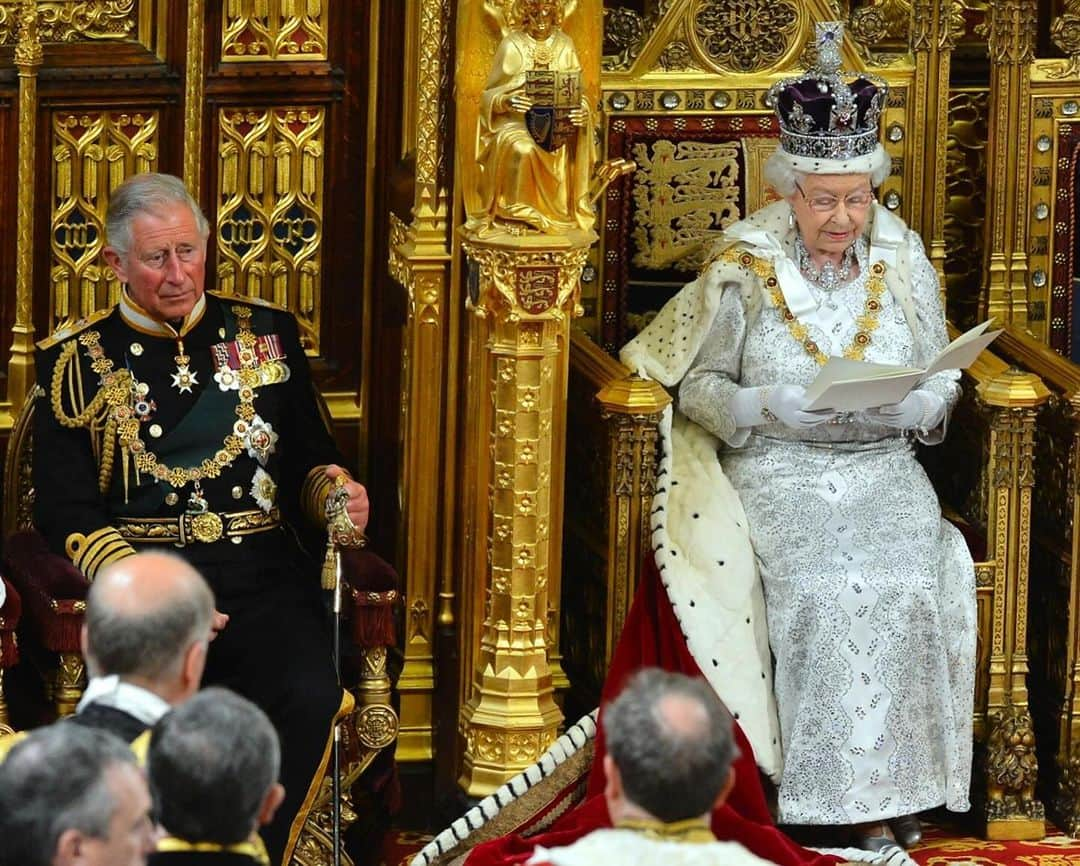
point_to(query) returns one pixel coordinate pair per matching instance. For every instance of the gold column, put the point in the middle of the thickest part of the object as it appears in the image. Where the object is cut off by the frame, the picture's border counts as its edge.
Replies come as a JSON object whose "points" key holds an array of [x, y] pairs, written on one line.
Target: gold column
{"points": [[194, 85], [524, 299], [28, 56], [633, 408], [1012, 811], [1068, 795], [419, 260], [933, 36], [1011, 31]]}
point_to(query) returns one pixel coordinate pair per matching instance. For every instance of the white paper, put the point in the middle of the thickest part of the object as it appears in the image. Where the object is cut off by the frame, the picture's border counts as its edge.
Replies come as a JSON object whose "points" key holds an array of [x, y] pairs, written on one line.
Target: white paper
{"points": [[845, 385]]}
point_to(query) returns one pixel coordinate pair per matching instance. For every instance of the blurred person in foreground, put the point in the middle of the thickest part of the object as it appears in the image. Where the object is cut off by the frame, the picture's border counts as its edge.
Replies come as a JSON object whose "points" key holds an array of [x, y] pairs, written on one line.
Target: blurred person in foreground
{"points": [[213, 766], [668, 765], [73, 796]]}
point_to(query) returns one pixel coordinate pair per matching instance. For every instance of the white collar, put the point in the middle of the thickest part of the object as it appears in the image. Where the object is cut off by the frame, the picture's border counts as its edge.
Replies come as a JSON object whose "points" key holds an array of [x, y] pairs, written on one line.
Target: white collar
{"points": [[134, 700], [141, 320]]}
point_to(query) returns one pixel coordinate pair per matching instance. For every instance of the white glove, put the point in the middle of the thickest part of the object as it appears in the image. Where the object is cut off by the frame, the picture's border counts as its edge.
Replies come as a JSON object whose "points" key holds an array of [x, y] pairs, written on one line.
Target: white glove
{"points": [[919, 410], [768, 404]]}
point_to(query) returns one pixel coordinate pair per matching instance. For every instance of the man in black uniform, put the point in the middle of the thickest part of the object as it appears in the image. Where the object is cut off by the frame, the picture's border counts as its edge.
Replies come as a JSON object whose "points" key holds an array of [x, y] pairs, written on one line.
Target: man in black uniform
{"points": [[213, 765], [188, 420]]}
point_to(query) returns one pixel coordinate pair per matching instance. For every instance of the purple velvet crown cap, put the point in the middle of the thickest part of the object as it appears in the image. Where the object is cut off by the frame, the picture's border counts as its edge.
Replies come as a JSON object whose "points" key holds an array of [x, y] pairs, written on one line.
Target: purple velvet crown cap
{"points": [[822, 114], [819, 111]]}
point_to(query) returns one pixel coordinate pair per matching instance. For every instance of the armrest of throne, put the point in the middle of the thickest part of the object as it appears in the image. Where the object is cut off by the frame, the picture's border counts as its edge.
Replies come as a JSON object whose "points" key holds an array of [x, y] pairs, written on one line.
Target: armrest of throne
{"points": [[53, 590]]}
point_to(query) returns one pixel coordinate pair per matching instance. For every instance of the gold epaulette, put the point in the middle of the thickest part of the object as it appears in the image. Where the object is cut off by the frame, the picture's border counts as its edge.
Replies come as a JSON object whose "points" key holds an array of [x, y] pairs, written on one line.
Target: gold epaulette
{"points": [[73, 329], [313, 493], [233, 298]]}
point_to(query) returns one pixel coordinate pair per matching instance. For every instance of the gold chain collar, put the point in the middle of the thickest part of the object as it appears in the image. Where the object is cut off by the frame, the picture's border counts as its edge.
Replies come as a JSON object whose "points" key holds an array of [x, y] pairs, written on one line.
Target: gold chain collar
{"points": [[690, 830], [254, 848], [866, 323], [117, 390]]}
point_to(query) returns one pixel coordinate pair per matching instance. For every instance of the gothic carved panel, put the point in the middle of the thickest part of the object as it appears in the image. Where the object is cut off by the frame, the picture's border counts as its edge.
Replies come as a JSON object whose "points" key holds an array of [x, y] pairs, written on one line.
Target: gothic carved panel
{"points": [[273, 30], [77, 20], [92, 153], [743, 35], [965, 202], [270, 208]]}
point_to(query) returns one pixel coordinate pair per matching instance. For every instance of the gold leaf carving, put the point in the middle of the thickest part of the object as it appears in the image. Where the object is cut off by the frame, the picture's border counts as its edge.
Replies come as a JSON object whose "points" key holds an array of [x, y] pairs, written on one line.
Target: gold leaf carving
{"points": [[92, 152], [685, 194], [74, 20], [274, 30], [743, 35], [270, 216]]}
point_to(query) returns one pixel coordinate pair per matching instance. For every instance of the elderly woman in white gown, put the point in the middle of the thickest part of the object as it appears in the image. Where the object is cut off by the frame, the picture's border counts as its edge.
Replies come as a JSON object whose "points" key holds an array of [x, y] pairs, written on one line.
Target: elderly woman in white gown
{"points": [[869, 593]]}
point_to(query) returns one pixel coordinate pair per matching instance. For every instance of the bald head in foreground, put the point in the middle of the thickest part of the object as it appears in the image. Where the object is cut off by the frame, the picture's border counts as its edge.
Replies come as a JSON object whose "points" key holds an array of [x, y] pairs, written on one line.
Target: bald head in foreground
{"points": [[148, 625]]}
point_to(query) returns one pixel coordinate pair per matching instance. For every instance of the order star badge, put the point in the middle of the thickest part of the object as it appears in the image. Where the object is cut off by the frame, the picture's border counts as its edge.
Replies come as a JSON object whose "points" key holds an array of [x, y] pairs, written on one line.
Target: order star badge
{"points": [[183, 379]]}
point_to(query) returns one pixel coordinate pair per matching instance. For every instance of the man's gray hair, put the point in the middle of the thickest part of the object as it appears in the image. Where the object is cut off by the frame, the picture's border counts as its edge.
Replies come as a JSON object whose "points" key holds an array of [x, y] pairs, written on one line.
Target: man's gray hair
{"points": [[151, 643], [212, 761], [54, 781], [673, 771], [142, 194]]}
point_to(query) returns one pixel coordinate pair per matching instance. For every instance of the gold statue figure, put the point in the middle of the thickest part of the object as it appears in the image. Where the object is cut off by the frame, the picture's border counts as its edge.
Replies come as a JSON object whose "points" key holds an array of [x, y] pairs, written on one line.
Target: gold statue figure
{"points": [[535, 143]]}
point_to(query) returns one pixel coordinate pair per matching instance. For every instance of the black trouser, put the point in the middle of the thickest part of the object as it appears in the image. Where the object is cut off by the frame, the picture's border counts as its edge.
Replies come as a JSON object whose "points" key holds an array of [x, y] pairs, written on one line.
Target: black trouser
{"points": [[275, 651]]}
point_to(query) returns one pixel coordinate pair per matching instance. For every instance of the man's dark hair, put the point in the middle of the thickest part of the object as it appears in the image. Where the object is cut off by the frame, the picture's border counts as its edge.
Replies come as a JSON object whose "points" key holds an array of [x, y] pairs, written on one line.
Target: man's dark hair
{"points": [[674, 768], [54, 781], [150, 643], [211, 762]]}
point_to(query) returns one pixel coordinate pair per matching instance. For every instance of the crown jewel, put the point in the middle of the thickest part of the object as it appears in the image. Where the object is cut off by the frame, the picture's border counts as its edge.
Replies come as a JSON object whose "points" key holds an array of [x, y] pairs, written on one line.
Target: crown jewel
{"points": [[822, 115]]}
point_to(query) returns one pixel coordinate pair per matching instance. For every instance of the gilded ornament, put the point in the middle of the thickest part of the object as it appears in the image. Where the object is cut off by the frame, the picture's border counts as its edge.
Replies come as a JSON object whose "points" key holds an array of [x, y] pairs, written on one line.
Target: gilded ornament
{"points": [[70, 21], [273, 250], [279, 30], [136, 349], [171, 498], [535, 145], [207, 527], [685, 195], [743, 35], [1065, 34], [132, 433], [627, 31]]}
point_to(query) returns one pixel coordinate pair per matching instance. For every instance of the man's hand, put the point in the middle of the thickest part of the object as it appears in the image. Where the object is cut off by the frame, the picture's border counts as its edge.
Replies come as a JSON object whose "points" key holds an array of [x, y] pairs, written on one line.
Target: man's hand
{"points": [[217, 623], [358, 508]]}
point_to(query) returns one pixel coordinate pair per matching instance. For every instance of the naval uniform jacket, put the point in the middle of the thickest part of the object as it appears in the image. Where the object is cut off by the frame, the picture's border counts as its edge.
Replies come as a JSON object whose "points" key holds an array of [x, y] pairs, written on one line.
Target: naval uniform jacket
{"points": [[113, 433]]}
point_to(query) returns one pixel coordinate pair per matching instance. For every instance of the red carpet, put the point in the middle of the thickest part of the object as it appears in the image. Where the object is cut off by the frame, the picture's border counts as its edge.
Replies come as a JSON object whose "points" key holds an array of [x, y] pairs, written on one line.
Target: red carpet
{"points": [[937, 849], [401, 846]]}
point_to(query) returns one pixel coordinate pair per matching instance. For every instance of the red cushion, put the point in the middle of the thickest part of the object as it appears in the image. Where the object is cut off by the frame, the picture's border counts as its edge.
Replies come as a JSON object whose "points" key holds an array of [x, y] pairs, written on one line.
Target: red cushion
{"points": [[53, 590]]}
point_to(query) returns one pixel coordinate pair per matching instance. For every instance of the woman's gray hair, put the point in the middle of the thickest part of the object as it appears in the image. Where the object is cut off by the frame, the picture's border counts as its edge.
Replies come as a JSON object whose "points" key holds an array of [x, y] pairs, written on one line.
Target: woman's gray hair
{"points": [[779, 173], [147, 193]]}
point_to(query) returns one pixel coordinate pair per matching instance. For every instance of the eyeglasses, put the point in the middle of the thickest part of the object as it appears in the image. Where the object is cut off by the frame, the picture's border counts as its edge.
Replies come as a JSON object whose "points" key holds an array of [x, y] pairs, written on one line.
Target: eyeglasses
{"points": [[828, 203]]}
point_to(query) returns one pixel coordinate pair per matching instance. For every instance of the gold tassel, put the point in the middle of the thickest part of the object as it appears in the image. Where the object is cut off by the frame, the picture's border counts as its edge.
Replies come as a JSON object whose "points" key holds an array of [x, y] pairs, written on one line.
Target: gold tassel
{"points": [[329, 566]]}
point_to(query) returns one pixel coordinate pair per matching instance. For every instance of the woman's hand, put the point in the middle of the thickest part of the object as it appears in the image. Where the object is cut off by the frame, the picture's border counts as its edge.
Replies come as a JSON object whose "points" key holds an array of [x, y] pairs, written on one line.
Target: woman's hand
{"points": [[787, 403], [919, 410], [772, 404]]}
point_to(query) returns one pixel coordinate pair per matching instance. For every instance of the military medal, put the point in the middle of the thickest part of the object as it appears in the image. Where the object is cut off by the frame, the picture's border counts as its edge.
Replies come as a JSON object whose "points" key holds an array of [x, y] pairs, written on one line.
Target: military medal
{"points": [[183, 378]]}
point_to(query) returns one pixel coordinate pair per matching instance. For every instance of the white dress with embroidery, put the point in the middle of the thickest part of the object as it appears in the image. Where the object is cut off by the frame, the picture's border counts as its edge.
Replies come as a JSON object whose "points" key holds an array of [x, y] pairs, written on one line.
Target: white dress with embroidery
{"points": [[869, 593]]}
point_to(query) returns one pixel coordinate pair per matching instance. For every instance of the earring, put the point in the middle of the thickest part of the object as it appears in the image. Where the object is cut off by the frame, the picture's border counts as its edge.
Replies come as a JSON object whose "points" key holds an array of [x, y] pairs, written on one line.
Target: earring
{"points": [[791, 219]]}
